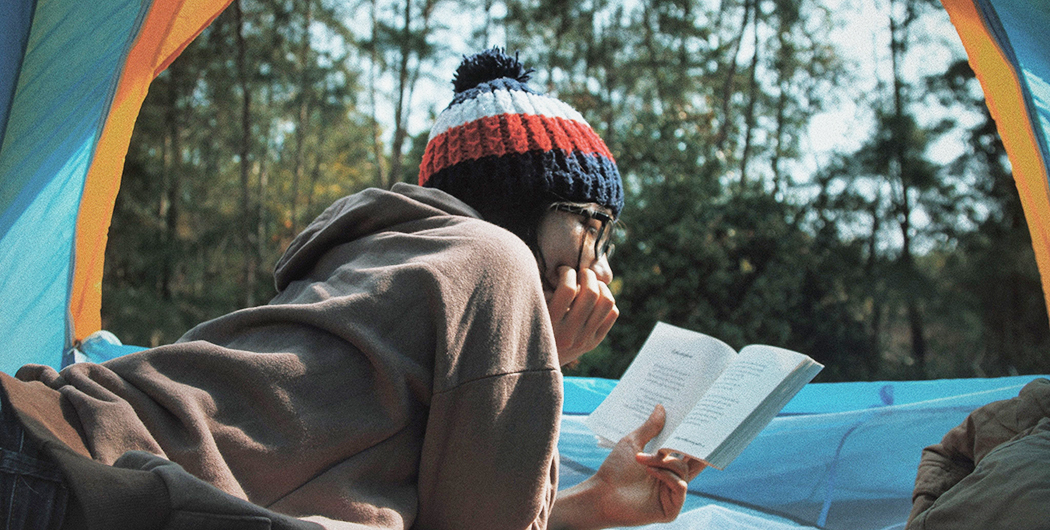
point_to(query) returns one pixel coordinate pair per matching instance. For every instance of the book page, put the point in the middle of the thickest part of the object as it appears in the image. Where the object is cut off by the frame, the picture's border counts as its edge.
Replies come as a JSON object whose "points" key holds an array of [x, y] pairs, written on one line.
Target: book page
{"points": [[674, 368], [753, 375]]}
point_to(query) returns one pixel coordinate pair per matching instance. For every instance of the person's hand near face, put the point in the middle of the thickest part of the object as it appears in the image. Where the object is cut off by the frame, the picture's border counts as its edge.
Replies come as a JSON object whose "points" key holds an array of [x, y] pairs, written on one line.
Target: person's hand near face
{"points": [[582, 310], [576, 277]]}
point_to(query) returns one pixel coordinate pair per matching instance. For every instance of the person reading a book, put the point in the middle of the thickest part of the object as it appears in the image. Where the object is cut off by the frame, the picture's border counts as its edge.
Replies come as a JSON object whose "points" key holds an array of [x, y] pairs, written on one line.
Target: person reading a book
{"points": [[406, 375]]}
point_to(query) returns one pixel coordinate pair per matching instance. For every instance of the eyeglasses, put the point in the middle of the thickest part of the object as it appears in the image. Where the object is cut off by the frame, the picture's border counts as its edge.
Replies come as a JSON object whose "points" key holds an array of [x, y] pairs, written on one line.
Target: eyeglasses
{"points": [[603, 241]]}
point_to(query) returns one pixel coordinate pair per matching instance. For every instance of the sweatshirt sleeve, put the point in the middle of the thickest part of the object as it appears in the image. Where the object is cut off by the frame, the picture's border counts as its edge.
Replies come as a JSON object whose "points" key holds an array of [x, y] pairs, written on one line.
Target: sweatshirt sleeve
{"points": [[489, 457]]}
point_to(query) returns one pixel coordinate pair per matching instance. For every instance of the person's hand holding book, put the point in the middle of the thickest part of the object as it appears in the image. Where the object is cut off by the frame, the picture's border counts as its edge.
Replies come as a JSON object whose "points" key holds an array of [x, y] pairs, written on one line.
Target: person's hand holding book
{"points": [[631, 487]]}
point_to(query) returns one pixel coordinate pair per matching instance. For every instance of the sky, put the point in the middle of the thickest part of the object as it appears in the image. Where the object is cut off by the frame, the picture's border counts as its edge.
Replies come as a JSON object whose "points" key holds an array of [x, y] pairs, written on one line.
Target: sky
{"points": [[864, 41]]}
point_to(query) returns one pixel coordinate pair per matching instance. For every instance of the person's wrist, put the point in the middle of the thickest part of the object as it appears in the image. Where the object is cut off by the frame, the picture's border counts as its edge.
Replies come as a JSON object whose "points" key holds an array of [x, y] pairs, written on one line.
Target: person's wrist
{"points": [[581, 507]]}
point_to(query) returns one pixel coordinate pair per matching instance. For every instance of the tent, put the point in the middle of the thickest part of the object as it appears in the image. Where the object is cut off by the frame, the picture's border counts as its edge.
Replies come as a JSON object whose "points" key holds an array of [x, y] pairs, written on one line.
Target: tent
{"points": [[73, 76]]}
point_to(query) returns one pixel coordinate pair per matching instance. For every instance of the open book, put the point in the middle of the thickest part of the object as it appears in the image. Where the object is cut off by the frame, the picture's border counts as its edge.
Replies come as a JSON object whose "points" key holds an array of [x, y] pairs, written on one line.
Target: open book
{"points": [[717, 400]]}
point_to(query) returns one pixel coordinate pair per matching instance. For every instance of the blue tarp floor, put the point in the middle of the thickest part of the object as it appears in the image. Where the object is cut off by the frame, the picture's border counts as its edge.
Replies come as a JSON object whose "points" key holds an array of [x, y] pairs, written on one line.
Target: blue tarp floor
{"points": [[839, 456]]}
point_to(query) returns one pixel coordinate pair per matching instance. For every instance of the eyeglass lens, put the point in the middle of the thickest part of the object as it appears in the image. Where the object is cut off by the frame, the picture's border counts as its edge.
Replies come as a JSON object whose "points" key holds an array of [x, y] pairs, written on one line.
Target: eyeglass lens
{"points": [[603, 245]]}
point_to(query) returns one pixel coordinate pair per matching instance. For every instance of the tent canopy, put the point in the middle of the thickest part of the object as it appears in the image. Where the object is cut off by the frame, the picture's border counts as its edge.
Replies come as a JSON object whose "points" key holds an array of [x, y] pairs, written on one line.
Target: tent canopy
{"points": [[73, 76]]}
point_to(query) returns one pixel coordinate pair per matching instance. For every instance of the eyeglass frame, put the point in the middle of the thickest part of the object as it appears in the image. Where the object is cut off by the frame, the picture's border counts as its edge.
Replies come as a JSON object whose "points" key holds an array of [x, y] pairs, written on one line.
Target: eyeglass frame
{"points": [[608, 222]]}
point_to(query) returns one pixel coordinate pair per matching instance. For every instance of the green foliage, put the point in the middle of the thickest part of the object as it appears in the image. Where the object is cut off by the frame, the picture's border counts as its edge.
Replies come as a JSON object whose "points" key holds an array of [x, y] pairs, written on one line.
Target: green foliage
{"points": [[738, 269], [880, 263], [189, 201]]}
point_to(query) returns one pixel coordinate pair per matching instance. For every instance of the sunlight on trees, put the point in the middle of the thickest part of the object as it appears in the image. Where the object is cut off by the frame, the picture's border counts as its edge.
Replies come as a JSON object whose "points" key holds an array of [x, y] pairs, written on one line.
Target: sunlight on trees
{"points": [[880, 260]]}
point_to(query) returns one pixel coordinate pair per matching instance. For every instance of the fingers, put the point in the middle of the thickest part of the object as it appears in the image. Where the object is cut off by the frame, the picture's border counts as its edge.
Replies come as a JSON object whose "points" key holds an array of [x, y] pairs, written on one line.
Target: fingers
{"points": [[695, 467], [593, 312], [684, 467], [602, 317], [559, 302], [648, 430], [669, 478], [583, 305], [666, 465], [668, 471], [582, 310]]}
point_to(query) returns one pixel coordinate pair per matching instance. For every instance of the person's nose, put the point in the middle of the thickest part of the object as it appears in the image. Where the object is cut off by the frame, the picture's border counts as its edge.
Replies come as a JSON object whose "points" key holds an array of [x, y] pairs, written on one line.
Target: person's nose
{"points": [[602, 269]]}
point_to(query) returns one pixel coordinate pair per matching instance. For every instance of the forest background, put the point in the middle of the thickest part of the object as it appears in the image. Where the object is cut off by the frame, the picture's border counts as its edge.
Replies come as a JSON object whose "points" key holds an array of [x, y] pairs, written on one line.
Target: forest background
{"points": [[790, 179]]}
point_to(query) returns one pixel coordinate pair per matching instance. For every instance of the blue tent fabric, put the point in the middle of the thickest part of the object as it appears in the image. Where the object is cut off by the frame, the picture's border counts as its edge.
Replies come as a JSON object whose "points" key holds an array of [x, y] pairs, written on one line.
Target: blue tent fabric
{"points": [[1023, 27], [839, 455], [14, 36], [58, 84]]}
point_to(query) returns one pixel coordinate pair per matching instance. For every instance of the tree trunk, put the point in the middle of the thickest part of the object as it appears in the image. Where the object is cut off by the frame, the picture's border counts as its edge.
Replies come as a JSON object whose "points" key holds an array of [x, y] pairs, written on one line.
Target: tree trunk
{"points": [[749, 113], [373, 81], [898, 46], [729, 79], [169, 210], [783, 81], [244, 152], [402, 96], [871, 272], [302, 118], [406, 82]]}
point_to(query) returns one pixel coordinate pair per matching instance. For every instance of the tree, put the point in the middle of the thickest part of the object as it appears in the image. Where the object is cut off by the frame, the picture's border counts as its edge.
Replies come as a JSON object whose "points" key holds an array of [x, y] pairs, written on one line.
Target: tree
{"points": [[890, 182], [993, 275], [231, 153], [667, 92], [878, 257], [400, 44]]}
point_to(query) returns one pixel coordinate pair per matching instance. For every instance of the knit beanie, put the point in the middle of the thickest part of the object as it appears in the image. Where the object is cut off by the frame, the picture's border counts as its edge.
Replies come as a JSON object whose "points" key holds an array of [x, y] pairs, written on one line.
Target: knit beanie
{"points": [[508, 151]]}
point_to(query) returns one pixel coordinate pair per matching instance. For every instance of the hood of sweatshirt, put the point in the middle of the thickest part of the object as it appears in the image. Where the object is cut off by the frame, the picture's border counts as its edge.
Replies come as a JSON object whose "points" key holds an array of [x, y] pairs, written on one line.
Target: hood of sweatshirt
{"points": [[360, 215]]}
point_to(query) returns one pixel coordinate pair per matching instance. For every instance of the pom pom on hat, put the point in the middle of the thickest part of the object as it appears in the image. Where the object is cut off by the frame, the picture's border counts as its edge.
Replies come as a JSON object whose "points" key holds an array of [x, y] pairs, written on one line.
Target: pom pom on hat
{"points": [[505, 149], [486, 66]]}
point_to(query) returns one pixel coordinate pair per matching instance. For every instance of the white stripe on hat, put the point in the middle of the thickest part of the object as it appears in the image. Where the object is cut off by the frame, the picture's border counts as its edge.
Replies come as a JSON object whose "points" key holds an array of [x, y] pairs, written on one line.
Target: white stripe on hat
{"points": [[499, 102]]}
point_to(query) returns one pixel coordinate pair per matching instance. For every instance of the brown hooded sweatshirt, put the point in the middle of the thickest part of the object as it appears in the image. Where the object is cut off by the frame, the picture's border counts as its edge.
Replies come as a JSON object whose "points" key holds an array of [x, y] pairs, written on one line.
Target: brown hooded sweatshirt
{"points": [[404, 376]]}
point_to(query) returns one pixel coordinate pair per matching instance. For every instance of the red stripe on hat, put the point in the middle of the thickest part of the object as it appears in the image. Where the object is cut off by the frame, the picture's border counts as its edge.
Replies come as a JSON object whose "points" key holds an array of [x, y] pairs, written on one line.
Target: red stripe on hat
{"points": [[508, 133], [536, 132]]}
